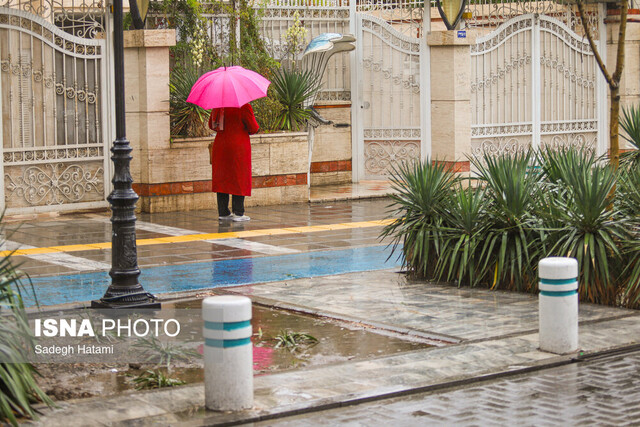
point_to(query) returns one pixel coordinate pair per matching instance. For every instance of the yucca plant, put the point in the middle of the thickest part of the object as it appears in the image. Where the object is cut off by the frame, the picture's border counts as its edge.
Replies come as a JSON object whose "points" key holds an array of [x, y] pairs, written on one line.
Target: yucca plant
{"points": [[631, 273], [293, 88], [628, 195], [630, 123], [18, 388], [591, 231], [556, 162], [513, 240], [628, 201], [423, 194], [187, 119], [462, 235]]}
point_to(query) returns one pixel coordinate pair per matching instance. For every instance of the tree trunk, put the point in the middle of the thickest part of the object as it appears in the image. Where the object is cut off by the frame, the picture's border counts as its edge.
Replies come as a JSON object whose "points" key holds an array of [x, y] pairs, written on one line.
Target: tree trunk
{"points": [[614, 126], [613, 80]]}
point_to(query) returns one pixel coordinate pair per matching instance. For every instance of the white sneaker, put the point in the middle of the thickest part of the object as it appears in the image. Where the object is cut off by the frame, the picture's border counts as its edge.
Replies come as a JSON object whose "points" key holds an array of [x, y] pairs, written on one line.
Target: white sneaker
{"points": [[242, 218], [226, 218]]}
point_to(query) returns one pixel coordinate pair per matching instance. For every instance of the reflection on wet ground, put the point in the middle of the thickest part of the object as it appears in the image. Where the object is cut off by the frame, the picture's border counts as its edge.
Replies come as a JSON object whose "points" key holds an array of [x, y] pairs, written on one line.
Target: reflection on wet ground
{"points": [[337, 342]]}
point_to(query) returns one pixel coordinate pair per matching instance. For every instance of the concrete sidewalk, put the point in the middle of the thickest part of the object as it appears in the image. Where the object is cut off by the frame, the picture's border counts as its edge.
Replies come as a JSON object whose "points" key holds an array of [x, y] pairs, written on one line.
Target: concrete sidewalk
{"points": [[479, 335]]}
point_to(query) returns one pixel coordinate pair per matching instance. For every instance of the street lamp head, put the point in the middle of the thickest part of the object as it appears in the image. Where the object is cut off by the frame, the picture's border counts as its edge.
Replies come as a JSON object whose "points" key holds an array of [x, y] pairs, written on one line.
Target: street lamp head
{"points": [[451, 11]]}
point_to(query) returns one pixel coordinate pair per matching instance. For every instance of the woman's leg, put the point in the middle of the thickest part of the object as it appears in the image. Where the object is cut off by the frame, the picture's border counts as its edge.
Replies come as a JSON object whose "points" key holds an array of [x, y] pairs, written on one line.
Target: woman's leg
{"points": [[237, 205], [223, 204]]}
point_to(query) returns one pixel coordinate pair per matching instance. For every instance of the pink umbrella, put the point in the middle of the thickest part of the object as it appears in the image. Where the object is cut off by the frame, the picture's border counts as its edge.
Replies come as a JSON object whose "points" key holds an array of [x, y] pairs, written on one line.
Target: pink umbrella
{"points": [[228, 87]]}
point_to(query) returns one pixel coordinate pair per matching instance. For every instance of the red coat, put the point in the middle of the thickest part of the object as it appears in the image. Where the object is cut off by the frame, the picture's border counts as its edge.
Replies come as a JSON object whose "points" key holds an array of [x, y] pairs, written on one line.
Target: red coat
{"points": [[231, 151]]}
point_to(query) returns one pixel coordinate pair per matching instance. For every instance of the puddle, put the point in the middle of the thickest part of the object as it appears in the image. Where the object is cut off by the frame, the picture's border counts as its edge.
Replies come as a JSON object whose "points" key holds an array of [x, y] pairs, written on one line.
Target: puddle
{"points": [[336, 342]]}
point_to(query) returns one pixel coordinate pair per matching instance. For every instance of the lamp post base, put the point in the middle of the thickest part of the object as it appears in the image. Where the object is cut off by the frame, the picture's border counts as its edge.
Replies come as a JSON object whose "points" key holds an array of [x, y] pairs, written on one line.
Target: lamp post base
{"points": [[149, 302]]}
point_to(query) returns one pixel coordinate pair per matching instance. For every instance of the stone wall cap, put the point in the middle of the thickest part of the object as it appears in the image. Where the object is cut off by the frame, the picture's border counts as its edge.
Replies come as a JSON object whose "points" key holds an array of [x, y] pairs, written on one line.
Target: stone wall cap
{"points": [[150, 38], [259, 138], [450, 38]]}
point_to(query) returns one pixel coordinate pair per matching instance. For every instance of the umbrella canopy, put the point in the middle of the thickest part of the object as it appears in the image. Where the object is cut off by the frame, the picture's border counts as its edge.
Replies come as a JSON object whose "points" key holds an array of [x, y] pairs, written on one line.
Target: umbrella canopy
{"points": [[228, 87]]}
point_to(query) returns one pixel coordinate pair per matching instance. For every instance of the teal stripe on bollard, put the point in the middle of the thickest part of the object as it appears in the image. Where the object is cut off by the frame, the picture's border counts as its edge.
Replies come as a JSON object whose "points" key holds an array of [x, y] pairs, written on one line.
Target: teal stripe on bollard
{"points": [[558, 281], [226, 343], [226, 326], [558, 294]]}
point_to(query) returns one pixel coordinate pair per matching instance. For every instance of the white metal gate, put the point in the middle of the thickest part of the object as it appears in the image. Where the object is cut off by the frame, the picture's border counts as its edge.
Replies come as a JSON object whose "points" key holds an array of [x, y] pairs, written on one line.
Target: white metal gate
{"points": [[535, 83], [53, 135], [391, 77]]}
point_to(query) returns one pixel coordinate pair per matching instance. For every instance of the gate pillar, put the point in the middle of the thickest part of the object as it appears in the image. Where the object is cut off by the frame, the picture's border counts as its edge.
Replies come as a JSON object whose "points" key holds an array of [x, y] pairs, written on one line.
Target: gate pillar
{"points": [[451, 97], [147, 107]]}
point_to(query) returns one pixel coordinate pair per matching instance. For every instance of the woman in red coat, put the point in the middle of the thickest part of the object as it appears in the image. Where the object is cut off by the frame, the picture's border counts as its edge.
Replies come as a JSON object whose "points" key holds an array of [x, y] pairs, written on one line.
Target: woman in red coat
{"points": [[231, 159]]}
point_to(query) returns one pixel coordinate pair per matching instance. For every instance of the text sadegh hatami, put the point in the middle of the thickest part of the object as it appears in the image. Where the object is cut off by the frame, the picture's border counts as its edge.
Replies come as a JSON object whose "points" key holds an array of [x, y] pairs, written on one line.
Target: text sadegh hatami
{"points": [[65, 350]]}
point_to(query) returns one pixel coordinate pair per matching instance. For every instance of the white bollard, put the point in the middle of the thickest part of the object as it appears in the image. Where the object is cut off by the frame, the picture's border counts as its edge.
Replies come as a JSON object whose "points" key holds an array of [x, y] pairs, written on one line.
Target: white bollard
{"points": [[558, 305], [228, 353]]}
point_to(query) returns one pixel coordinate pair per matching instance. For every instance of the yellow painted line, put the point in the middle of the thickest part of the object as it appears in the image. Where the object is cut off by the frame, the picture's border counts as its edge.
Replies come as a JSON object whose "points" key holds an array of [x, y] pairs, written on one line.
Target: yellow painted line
{"points": [[250, 233], [106, 245], [205, 236], [37, 251], [334, 227], [275, 231], [216, 236], [146, 242], [72, 248]]}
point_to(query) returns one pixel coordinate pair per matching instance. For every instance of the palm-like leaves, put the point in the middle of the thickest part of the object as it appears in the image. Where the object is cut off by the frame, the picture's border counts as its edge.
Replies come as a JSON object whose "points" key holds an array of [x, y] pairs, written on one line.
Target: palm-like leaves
{"points": [[591, 231], [512, 243], [187, 119], [463, 233], [630, 123], [420, 204], [18, 388], [292, 88], [497, 232]]}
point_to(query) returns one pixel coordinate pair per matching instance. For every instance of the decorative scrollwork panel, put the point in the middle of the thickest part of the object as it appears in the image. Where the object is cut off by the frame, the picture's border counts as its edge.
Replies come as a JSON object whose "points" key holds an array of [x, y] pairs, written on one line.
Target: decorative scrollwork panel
{"points": [[489, 14], [581, 141], [390, 95], [381, 156], [53, 184], [82, 18]]}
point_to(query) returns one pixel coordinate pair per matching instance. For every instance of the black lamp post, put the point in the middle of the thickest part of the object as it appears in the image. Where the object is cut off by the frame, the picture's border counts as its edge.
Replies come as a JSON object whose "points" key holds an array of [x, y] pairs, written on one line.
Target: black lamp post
{"points": [[124, 291]]}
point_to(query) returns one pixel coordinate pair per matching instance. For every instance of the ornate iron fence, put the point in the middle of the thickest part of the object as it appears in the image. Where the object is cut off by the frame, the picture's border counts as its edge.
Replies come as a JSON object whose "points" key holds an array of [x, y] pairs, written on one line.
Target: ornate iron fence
{"points": [[53, 101]]}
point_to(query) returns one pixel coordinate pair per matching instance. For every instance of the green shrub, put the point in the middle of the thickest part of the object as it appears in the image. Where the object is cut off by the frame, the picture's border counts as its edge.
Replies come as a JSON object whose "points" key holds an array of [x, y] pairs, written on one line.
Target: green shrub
{"points": [[18, 388], [422, 199], [266, 112], [496, 232], [630, 123], [292, 88], [187, 119], [513, 240], [629, 204], [591, 230], [463, 232]]}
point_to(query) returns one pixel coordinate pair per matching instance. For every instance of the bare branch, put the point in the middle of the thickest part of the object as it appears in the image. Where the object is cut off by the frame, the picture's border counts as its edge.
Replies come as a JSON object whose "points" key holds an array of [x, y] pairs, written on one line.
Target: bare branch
{"points": [[594, 49]]}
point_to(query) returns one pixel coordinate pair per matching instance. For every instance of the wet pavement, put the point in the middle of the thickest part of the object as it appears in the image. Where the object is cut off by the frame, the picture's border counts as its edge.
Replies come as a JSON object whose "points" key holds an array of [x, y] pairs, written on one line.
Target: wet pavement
{"points": [[475, 354], [326, 260], [72, 243], [602, 392]]}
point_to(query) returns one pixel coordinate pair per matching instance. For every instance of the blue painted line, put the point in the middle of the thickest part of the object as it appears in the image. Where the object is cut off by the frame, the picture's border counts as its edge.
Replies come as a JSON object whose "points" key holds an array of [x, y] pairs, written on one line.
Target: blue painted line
{"points": [[558, 294], [215, 274], [558, 281], [226, 343], [226, 326]]}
